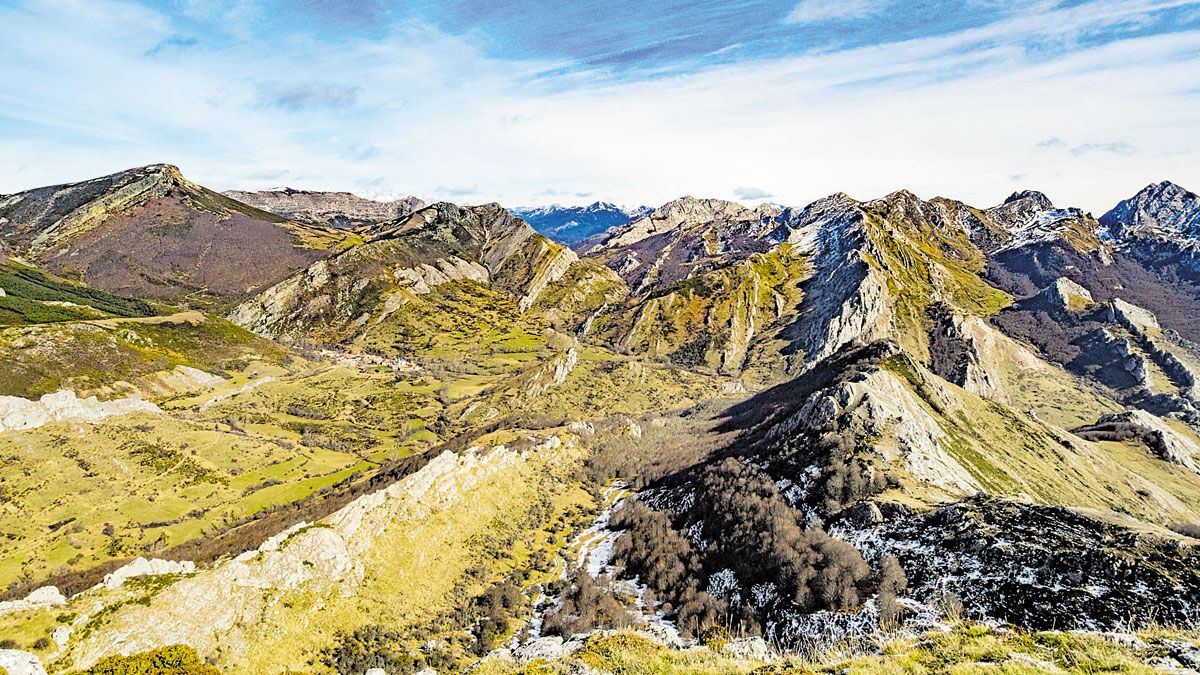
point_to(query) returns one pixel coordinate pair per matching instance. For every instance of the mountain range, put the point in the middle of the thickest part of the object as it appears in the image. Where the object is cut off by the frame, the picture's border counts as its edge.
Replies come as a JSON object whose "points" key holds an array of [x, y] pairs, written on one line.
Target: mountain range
{"points": [[573, 224], [294, 431]]}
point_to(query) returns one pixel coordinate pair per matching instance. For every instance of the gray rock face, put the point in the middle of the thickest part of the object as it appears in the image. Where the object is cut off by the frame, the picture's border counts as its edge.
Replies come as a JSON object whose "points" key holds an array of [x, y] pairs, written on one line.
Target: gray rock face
{"points": [[1131, 316], [1160, 210], [335, 209], [1065, 294]]}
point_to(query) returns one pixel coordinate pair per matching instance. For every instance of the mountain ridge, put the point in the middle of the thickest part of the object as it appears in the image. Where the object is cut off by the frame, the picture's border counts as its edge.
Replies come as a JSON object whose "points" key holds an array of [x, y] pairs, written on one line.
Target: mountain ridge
{"points": [[798, 424]]}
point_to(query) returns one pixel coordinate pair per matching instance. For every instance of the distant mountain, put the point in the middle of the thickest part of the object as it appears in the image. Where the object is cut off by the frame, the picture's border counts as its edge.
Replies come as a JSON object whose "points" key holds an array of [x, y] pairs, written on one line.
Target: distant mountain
{"points": [[1161, 210], [149, 232], [572, 224], [335, 209], [403, 262]]}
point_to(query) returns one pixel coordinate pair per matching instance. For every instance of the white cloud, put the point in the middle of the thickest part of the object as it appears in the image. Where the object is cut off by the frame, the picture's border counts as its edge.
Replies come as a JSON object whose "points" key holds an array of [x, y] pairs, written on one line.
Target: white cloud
{"points": [[433, 115], [752, 193], [814, 11]]}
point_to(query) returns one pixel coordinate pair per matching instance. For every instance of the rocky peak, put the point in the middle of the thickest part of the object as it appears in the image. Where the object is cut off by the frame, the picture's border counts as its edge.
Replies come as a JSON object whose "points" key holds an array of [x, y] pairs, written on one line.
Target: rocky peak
{"points": [[1021, 210], [686, 211], [338, 209], [1029, 217], [692, 209], [1033, 196], [802, 227], [1161, 210]]}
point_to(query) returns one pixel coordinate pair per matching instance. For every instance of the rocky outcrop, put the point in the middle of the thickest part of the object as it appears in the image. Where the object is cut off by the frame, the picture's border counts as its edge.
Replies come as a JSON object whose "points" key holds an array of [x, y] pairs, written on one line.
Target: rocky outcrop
{"points": [[42, 598], [1040, 567], [335, 209], [553, 263], [64, 406], [424, 278], [1169, 444], [141, 567], [878, 405], [546, 376], [1064, 295], [17, 662], [181, 380], [846, 298], [963, 351], [1133, 318]]}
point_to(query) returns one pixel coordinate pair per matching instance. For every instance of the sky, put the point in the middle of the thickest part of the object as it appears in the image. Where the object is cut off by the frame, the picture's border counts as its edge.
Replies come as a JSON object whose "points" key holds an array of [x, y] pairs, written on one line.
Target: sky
{"points": [[535, 102]]}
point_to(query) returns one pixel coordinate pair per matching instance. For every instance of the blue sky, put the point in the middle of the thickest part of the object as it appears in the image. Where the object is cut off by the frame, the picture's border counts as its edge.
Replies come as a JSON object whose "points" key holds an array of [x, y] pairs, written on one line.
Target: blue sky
{"points": [[532, 102]]}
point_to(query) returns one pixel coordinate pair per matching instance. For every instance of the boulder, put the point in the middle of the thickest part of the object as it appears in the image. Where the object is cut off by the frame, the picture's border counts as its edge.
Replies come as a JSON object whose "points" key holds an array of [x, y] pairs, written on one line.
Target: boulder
{"points": [[42, 598], [142, 567], [17, 662]]}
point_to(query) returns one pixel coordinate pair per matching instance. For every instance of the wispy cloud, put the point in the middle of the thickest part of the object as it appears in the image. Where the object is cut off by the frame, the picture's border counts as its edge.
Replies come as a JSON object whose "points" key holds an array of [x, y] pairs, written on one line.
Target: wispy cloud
{"points": [[268, 174], [307, 95], [1108, 147], [752, 193], [457, 190], [172, 43], [815, 11], [551, 192], [1112, 148]]}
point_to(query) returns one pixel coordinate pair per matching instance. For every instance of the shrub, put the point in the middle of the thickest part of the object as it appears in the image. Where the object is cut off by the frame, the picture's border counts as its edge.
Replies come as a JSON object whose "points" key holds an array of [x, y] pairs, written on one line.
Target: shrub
{"points": [[1187, 529], [715, 637], [586, 603], [173, 660], [753, 531], [892, 583], [368, 647]]}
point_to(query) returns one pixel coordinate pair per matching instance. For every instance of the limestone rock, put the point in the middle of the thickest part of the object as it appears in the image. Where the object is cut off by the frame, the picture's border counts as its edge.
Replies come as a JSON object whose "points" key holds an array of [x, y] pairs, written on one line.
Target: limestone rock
{"points": [[17, 662], [64, 406], [336, 209], [1166, 442], [748, 648], [1066, 294], [42, 598], [141, 567], [550, 648], [1131, 316], [878, 404]]}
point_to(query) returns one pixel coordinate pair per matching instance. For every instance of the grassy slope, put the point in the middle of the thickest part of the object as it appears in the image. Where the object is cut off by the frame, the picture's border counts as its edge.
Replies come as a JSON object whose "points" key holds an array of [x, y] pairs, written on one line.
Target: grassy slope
{"points": [[32, 296], [709, 320], [1011, 453], [95, 355]]}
